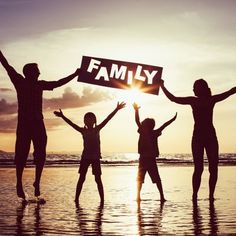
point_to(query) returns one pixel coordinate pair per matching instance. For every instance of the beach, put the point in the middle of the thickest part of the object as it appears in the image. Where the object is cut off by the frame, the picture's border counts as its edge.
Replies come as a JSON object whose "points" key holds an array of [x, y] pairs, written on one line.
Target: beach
{"points": [[121, 215]]}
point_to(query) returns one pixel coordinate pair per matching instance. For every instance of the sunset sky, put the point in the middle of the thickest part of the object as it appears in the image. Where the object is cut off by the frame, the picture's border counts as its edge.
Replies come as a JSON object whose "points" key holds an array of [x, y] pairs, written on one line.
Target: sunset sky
{"points": [[189, 39]]}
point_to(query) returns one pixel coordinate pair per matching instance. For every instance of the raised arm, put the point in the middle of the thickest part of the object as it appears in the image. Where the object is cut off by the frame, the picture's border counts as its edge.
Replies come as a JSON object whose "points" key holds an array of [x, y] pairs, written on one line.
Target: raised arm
{"points": [[60, 82], [167, 123], [179, 100], [118, 107], [10, 69], [69, 122], [223, 96], [136, 109]]}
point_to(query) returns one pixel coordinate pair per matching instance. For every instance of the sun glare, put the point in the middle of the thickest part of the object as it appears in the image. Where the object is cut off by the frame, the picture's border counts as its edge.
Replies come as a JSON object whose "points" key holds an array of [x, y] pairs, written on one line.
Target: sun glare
{"points": [[132, 95]]}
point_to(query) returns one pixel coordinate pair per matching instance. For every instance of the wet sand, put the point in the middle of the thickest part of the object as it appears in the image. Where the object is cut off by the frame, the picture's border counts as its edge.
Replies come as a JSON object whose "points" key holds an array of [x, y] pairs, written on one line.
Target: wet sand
{"points": [[121, 215]]}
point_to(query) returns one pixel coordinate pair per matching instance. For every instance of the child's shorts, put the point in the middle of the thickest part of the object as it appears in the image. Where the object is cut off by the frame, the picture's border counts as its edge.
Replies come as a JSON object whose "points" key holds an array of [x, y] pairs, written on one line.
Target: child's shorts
{"points": [[149, 166], [85, 163]]}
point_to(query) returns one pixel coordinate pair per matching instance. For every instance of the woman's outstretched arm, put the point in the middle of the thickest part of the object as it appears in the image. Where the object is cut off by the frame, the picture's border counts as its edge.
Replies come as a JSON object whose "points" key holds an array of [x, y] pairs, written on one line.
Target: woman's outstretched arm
{"points": [[223, 96], [179, 100]]}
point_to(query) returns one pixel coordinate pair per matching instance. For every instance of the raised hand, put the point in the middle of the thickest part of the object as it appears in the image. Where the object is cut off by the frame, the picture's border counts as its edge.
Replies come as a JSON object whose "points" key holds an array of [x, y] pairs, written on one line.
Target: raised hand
{"points": [[58, 113], [120, 105], [161, 82], [175, 116], [136, 106], [77, 71]]}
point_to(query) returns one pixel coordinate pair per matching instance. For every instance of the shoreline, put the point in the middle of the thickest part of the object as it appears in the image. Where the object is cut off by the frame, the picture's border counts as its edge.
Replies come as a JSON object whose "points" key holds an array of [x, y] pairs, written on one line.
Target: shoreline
{"points": [[112, 164]]}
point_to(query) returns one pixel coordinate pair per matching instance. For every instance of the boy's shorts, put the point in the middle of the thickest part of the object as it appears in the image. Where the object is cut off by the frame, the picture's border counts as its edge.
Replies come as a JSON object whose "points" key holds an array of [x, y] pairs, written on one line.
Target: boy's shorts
{"points": [[85, 163], [149, 166]]}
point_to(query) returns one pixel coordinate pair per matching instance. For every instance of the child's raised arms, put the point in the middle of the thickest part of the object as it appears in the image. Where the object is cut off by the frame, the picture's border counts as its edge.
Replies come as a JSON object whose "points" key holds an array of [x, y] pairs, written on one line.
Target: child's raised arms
{"points": [[118, 107], [60, 114], [167, 123], [137, 119]]}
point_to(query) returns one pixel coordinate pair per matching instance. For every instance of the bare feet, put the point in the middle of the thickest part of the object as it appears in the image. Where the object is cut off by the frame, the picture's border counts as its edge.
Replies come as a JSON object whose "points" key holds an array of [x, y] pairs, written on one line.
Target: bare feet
{"points": [[20, 191], [163, 200], [194, 198], [36, 189], [138, 199], [41, 200], [211, 198]]}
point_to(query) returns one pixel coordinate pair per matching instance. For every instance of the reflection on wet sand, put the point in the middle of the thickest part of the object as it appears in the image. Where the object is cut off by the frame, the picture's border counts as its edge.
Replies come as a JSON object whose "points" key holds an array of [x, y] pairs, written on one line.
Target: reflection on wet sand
{"points": [[120, 215], [198, 221], [213, 223], [149, 222], [87, 226], [21, 224]]}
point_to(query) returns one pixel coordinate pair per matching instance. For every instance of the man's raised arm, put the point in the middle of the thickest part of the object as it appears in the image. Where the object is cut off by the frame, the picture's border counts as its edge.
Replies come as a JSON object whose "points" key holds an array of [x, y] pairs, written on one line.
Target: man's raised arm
{"points": [[65, 80], [10, 70]]}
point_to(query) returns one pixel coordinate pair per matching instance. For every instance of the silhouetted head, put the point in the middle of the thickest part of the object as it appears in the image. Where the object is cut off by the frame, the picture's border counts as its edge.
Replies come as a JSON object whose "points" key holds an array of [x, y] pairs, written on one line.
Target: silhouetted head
{"points": [[201, 89], [31, 71], [148, 123], [90, 119]]}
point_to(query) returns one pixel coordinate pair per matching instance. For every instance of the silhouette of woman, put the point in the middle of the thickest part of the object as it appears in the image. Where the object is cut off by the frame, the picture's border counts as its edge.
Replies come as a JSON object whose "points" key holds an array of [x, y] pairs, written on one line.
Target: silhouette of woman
{"points": [[204, 135]]}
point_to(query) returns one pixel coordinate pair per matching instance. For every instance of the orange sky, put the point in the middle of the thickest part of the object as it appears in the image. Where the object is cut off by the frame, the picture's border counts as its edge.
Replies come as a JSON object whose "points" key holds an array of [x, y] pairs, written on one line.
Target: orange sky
{"points": [[189, 39]]}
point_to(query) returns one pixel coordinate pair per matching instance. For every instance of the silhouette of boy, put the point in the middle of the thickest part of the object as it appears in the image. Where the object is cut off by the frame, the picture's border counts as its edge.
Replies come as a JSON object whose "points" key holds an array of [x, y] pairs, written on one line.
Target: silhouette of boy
{"points": [[204, 135], [148, 150], [30, 126], [91, 153]]}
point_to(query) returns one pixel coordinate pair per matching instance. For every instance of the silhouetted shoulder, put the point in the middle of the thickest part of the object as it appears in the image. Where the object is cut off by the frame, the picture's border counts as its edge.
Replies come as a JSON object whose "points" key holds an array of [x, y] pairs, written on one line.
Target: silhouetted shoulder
{"points": [[158, 132], [14, 76], [47, 85]]}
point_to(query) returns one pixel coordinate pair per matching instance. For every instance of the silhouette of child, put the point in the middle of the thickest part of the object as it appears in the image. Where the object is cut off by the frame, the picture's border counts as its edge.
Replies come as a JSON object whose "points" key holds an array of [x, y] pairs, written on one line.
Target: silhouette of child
{"points": [[91, 153], [148, 150], [204, 135]]}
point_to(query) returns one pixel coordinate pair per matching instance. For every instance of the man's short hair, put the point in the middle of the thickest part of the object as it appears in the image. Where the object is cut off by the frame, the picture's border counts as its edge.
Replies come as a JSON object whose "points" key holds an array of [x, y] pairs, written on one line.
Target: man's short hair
{"points": [[29, 68]]}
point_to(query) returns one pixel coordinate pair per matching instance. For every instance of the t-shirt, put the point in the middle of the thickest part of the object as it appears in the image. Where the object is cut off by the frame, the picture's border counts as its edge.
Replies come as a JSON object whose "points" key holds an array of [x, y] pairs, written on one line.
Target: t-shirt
{"points": [[29, 95], [147, 144], [91, 138]]}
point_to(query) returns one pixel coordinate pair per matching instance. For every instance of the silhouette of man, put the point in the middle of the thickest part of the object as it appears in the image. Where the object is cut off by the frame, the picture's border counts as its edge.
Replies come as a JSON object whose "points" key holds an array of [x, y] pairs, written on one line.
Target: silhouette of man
{"points": [[30, 126]]}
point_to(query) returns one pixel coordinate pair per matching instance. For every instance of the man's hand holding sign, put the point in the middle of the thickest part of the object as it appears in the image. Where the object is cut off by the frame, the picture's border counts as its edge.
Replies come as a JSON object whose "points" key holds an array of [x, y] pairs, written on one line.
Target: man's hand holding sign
{"points": [[120, 74]]}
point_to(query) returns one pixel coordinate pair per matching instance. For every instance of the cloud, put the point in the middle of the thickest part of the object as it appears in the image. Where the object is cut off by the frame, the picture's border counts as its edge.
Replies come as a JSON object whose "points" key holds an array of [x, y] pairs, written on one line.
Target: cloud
{"points": [[5, 90], [70, 99], [8, 125], [52, 124], [7, 108]]}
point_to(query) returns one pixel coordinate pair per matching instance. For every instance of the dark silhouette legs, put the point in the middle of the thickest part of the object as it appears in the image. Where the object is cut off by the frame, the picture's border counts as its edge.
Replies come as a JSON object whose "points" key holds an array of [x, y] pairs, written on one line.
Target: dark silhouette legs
{"points": [[19, 175], [28, 131], [19, 187], [100, 187], [139, 187], [196, 180], [80, 185], [210, 144], [159, 187], [38, 174], [212, 182]]}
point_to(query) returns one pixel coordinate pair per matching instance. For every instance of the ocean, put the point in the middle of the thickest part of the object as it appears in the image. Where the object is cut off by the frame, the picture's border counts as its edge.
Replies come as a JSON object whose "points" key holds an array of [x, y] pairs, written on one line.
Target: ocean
{"points": [[67, 159]]}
